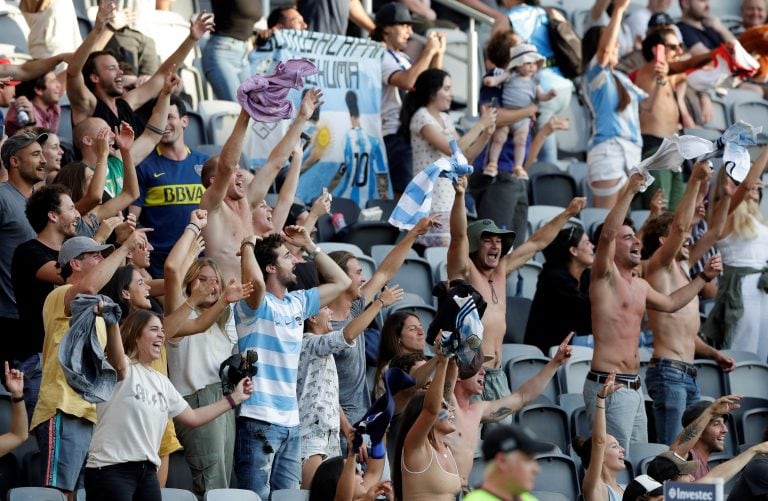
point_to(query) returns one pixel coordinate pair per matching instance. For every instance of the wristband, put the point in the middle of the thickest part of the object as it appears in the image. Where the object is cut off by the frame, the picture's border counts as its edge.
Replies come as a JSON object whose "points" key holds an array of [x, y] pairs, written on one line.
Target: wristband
{"points": [[382, 303], [314, 253], [600, 397], [156, 130], [705, 277], [253, 245], [194, 228], [231, 401], [16, 400]]}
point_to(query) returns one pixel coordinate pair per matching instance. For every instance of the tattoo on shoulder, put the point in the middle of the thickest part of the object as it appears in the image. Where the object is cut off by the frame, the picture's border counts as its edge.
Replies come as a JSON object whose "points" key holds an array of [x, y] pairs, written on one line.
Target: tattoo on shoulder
{"points": [[501, 413], [689, 433]]}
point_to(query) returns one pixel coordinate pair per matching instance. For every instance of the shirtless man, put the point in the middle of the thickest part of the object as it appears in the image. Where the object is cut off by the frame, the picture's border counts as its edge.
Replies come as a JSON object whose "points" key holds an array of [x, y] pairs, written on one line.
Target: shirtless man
{"points": [[619, 299], [671, 376], [479, 254], [229, 203], [471, 412]]}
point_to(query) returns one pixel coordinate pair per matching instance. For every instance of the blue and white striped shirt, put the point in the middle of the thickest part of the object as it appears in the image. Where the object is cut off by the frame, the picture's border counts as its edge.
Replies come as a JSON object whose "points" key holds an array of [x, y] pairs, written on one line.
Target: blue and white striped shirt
{"points": [[275, 330]]}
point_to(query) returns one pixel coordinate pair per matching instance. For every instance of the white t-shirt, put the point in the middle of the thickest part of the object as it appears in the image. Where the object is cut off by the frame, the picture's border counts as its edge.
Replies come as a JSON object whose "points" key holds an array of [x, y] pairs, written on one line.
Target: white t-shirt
{"points": [[194, 361], [130, 425], [391, 102]]}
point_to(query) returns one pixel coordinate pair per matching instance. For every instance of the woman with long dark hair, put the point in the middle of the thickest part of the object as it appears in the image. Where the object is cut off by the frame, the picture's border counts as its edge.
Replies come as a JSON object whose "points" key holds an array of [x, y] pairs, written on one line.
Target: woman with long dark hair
{"points": [[615, 145], [402, 333], [424, 468], [564, 281], [424, 121]]}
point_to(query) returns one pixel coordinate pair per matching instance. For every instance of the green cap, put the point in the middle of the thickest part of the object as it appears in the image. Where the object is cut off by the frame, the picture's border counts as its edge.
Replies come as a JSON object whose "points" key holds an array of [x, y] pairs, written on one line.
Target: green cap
{"points": [[476, 230]]}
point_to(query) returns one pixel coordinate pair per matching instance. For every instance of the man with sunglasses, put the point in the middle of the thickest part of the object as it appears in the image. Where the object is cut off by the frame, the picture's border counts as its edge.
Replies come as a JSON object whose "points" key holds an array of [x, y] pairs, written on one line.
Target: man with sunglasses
{"points": [[671, 376]]}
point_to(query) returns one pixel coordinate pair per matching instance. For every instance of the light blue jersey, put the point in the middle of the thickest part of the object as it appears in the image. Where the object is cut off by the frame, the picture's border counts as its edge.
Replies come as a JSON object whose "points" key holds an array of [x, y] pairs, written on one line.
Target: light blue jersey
{"points": [[364, 162]]}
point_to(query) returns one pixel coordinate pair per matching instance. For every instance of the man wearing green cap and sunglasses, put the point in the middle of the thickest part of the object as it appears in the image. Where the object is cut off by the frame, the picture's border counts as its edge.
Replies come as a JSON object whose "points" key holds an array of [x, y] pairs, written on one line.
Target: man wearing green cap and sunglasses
{"points": [[480, 254]]}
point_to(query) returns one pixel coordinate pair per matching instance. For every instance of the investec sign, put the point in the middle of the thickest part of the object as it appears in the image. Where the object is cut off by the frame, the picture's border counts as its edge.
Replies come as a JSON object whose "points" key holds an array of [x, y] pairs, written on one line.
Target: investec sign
{"points": [[679, 491]]}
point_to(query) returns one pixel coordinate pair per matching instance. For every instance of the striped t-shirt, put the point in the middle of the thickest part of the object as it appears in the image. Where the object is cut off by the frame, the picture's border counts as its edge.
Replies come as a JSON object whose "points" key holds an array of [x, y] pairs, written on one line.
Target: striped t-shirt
{"points": [[275, 331]]}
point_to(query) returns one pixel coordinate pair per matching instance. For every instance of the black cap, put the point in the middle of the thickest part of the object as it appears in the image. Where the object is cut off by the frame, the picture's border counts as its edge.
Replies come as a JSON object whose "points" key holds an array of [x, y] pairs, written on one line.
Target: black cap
{"points": [[693, 411], [642, 485], [508, 438], [393, 13], [660, 19]]}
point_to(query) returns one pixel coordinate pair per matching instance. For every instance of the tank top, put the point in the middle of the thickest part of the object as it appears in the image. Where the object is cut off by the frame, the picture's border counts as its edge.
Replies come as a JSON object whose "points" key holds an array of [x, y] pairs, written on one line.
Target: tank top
{"points": [[432, 483]]}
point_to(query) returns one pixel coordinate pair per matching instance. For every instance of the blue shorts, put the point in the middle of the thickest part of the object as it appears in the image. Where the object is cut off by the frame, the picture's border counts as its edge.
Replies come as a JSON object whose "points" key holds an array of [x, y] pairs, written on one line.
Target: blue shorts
{"points": [[63, 441]]}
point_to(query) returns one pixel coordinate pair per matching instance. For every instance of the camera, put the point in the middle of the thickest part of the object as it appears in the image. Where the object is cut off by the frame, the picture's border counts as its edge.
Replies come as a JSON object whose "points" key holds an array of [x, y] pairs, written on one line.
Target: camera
{"points": [[235, 368]]}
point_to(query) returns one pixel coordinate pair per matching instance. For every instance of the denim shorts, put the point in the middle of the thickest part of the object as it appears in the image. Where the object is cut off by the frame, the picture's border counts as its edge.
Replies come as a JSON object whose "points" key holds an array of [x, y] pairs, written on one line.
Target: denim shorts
{"points": [[63, 441]]}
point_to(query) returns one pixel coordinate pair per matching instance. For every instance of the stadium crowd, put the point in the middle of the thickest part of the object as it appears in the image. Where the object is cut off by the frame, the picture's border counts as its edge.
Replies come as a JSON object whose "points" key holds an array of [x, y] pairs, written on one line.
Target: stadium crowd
{"points": [[165, 309]]}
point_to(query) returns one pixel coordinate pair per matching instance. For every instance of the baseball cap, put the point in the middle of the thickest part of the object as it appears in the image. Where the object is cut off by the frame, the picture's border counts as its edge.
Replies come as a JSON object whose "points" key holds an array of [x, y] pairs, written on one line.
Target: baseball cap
{"points": [[475, 232], [668, 465], [693, 411], [524, 53], [642, 485], [18, 142], [393, 13], [73, 247], [4, 60], [660, 19], [507, 438]]}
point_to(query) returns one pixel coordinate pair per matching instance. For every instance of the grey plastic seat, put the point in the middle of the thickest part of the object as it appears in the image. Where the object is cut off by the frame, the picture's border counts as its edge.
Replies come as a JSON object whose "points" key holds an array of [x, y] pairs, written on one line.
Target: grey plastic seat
{"points": [[518, 310], [520, 370], [290, 495], [548, 422], [641, 453], [749, 379], [168, 494], [231, 495], [558, 474], [511, 351], [35, 494]]}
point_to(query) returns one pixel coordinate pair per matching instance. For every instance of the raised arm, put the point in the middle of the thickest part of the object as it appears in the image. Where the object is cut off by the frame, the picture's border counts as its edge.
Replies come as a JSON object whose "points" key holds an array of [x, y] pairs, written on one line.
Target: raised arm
{"points": [[416, 446], [388, 297], [82, 100], [185, 250], [610, 35], [93, 195], [679, 231], [753, 176], [473, 142], [395, 258], [195, 417], [251, 271], [496, 410], [685, 294], [458, 248], [687, 438], [288, 190], [606, 246], [320, 207], [406, 79], [262, 180], [227, 165], [14, 383], [148, 139], [114, 349], [715, 230], [33, 69], [542, 237], [729, 469], [554, 124], [593, 486], [359, 16], [130, 192], [136, 98]]}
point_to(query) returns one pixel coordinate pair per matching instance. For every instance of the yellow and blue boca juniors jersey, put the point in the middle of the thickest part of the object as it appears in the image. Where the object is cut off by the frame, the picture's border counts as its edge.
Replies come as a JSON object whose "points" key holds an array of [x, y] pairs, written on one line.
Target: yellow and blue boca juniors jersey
{"points": [[169, 191]]}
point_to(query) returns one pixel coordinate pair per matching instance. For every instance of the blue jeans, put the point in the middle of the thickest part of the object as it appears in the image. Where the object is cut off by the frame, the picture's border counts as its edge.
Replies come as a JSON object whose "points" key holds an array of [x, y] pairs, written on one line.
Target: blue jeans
{"points": [[32, 368], [267, 456], [672, 390], [624, 413], [547, 109], [225, 64]]}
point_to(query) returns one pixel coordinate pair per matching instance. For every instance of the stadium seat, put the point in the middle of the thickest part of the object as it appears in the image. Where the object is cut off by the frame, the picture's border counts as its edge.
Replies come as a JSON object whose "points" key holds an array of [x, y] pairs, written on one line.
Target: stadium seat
{"points": [[386, 205], [511, 351], [710, 377], [556, 189], [231, 495], [290, 495], [574, 372], [749, 379], [549, 422], [641, 453], [425, 312], [638, 217], [573, 141], [168, 494], [558, 474], [5, 413], [741, 355], [721, 116], [35, 494], [381, 251], [438, 259], [194, 133], [348, 207], [518, 309], [179, 473], [592, 217], [520, 370], [65, 122], [755, 112], [14, 29], [754, 422], [415, 275], [523, 281], [329, 247], [365, 235], [219, 117]]}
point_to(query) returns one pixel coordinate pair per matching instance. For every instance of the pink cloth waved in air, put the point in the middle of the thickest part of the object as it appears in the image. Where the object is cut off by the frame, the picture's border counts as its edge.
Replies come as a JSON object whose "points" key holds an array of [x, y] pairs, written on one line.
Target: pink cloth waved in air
{"points": [[265, 97]]}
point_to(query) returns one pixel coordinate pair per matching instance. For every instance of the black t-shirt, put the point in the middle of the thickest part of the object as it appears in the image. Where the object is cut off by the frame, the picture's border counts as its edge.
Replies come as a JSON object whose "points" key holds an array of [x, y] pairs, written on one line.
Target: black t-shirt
{"points": [[753, 484], [30, 294], [692, 35], [560, 305], [325, 16], [124, 114], [235, 18]]}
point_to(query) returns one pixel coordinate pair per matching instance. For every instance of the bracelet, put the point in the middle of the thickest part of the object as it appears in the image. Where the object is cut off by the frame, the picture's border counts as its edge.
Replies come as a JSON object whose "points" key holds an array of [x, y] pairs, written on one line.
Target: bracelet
{"points": [[189, 305], [382, 302], [661, 81], [600, 397], [194, 228], [705, 277], [253, 245], [314, 253], [16, 400], [231, 401], [156, 130]]}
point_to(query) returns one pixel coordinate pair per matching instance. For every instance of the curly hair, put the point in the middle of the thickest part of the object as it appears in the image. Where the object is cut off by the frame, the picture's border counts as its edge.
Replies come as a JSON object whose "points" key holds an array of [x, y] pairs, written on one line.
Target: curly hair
{"points": [[43, 201], [265, 251]]}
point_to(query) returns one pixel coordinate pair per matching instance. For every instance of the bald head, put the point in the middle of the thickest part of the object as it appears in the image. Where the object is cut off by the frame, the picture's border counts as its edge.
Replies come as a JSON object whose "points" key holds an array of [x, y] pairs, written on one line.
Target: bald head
{"points": [[87, 128]]}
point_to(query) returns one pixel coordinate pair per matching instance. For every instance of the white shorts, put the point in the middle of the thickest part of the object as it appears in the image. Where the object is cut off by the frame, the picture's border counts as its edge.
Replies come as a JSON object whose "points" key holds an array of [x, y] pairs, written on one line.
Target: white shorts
{"points": [[611, 160], [320, 443]]}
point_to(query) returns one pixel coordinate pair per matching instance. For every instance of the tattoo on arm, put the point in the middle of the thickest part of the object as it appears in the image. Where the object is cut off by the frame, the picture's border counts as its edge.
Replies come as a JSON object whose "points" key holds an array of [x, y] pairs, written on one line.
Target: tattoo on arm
{"points": [[689, 433], [500, 413]]}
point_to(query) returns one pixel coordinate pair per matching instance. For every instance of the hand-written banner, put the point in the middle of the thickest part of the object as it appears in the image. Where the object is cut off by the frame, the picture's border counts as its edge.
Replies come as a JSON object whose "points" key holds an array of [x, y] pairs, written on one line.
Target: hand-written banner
{"points": [[345, 152]]}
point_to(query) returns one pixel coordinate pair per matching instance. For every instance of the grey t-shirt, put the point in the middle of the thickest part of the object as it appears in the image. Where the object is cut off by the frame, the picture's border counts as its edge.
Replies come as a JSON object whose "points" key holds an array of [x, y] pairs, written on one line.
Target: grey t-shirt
{"points": [[14, 230], [354, 395]]}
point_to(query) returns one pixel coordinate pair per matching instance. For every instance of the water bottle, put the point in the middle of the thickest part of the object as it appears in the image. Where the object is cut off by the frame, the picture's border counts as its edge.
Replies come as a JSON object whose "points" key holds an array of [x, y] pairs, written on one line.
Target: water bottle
{"points": [[22, 117]]}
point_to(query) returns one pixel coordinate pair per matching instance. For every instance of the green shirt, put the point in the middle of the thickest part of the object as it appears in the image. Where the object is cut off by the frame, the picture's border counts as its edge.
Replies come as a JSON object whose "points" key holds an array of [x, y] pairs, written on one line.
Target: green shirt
{"points": [[481, 495], [114, 183]]}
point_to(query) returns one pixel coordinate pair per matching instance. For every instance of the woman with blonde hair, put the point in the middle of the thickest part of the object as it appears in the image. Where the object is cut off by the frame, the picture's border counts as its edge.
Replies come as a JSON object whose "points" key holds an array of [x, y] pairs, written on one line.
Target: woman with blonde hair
{"points": [[200, 335], [739, 318]]}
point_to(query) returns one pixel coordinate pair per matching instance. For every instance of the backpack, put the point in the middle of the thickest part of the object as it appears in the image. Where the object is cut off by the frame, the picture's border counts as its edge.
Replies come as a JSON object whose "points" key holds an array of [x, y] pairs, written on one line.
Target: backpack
{"points": [[565, 43]]}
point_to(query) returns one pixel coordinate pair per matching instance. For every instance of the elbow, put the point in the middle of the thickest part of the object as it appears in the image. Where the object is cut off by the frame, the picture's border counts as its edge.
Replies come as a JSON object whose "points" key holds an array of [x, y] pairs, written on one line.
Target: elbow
{"points": [[344, 282]]}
